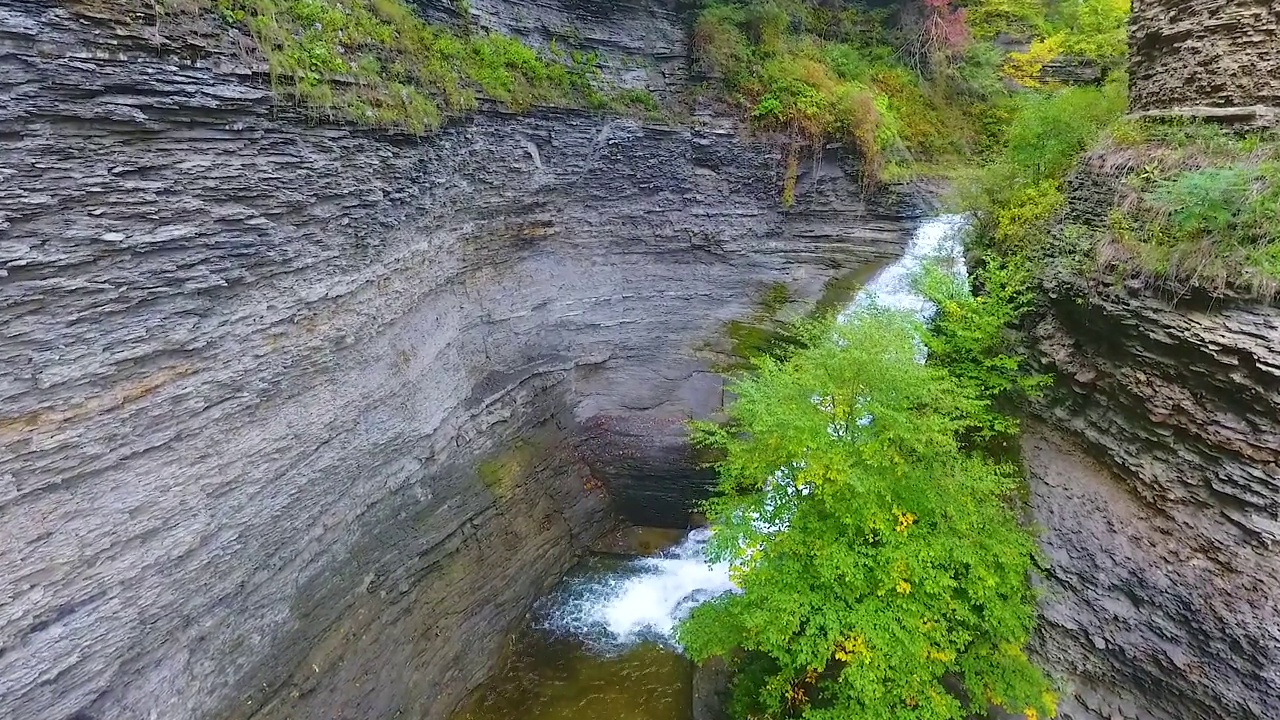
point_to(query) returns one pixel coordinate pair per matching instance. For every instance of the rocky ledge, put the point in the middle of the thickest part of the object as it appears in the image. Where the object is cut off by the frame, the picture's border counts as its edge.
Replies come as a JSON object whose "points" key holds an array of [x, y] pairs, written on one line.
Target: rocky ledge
{"points": [[295, 421]]}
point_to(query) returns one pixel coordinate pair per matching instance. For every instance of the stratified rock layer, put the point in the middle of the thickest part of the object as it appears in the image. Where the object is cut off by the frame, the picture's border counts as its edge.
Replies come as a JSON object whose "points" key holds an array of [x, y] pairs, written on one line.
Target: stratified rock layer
{"points": [[1155, 473], [1210, 58], [290, 417]]}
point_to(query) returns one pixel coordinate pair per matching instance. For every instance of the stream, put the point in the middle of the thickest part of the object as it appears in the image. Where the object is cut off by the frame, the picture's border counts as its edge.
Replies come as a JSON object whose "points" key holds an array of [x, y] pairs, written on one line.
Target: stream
{"points": [[601, 646]]}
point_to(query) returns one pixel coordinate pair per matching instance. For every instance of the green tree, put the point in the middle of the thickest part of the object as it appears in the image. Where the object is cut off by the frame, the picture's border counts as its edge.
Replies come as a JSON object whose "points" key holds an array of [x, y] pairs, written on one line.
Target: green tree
{"points": [[879, 562], [1096, 28]]}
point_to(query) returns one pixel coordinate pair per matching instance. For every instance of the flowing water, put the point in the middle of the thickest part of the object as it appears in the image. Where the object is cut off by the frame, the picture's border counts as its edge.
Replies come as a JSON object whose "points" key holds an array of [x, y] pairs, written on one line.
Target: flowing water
{"points": [[596, 648], [602, 646]]}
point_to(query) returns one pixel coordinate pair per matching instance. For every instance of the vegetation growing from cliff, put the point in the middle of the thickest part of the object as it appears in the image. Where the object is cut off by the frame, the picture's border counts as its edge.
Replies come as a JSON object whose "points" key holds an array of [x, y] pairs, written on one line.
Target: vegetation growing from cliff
{"points": [[822, 73], [1017, 192], [1083, 29], [907, 87], [1197, 206], [878, 557], [376, 63]]}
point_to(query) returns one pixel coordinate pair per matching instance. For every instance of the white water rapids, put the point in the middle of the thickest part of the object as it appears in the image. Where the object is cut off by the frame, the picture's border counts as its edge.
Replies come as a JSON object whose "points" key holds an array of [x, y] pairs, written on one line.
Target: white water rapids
{"points": [[647, 597]]}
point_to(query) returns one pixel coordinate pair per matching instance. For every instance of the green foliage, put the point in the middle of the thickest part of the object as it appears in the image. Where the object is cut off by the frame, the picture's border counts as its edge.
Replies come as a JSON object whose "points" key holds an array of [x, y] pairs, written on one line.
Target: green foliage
{"points": [[1016, 198], [1019, 190], [875, 554], [970, 337], [1050, 131], [1025, 67], [1095, 29], [637, 99], [1237, 202], [1198, 206], [989, 18], [761, 338], [775, 298], [376, 63], [819, 73]]}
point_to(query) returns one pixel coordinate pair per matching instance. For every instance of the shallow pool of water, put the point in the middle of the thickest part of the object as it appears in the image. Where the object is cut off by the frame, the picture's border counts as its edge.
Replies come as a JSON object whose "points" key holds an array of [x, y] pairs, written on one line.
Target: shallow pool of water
{"points": [[567, 664], [548, 678]]}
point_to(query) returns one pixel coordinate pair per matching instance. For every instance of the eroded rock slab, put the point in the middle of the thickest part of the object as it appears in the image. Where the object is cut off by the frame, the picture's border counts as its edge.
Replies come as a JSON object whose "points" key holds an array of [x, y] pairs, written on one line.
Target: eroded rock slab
{"points": [[1157, 483], [1218, 59]]}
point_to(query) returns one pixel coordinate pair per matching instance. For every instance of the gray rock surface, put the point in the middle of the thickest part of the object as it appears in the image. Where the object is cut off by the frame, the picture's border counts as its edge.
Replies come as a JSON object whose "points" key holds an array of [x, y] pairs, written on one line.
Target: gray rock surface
{"points": [[1209, 58], [1155, 473], [292, 418]]}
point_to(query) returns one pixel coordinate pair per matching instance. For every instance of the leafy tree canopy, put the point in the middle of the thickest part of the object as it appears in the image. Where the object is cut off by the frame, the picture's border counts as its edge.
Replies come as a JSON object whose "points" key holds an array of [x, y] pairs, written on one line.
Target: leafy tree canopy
{"points": [[881, 564]]}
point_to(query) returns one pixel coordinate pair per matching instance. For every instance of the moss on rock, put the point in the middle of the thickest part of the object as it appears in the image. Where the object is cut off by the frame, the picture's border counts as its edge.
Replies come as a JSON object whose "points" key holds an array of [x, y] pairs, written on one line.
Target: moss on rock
{"points": [[377, 63]]}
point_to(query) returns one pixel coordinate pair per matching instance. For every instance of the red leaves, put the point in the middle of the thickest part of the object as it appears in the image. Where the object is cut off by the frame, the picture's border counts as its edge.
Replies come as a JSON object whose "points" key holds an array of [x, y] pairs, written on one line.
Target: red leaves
{"points": [[945, 27]]}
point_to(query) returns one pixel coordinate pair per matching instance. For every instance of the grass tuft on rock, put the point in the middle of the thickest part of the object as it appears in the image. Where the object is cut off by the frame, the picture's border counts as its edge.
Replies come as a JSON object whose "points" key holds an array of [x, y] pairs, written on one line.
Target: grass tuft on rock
{"points": [[377, 63], [1198, 207]]}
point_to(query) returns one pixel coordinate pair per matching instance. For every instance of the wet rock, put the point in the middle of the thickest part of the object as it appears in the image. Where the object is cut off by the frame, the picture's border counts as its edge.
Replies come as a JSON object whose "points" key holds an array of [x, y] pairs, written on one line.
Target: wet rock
{"points": [[633, 540], [711, 690]]}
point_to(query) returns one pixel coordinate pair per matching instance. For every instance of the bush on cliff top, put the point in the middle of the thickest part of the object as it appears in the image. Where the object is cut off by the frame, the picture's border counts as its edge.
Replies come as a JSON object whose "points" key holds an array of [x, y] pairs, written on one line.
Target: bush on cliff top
{"points": [[910, 86], [1197, 207], [898, 90], [375, 62], [878, 558]]}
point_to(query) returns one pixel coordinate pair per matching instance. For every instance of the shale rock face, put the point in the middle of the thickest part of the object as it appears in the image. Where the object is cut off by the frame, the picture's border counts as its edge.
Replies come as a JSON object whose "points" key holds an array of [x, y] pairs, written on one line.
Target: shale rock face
{"points": [[295, 421], [1213, 58], [1156, 481], [1155, 473], [1154, 467]]}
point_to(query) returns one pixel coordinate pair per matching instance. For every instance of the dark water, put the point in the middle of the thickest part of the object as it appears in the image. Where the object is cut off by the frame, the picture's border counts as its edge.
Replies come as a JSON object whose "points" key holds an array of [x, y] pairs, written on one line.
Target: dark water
{"points": [[559, 669], [549, 678]]}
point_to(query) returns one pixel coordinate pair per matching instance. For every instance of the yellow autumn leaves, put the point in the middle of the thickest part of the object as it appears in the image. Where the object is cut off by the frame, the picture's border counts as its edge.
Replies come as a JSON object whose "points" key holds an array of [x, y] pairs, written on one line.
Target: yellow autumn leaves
{"points": [[852, 648], [905, 520]]}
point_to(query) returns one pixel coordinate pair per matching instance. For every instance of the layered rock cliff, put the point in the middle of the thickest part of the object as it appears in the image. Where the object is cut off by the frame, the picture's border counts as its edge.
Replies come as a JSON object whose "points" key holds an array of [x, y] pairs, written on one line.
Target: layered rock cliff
{"points": [[296, 420], [1154, 468], [1212, 58], [1154, 460]]}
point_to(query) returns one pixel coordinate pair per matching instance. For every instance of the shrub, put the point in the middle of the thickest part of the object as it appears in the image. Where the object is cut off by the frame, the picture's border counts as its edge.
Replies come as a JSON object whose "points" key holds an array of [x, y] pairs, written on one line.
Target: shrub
{"points": [[1235, 203], [1095, 29], [989, 18], [1025, 67], [819, 73], [1019, 191]]}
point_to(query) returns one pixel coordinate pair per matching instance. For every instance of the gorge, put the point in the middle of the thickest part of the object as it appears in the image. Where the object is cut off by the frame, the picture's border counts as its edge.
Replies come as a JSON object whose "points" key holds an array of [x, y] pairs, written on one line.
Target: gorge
{"points": [[298, 419]]}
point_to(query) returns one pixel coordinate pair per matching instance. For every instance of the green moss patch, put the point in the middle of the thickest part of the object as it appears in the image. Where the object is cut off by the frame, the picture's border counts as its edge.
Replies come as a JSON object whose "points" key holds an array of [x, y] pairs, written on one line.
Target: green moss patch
{"points": [[503, 473], [376, 63]]}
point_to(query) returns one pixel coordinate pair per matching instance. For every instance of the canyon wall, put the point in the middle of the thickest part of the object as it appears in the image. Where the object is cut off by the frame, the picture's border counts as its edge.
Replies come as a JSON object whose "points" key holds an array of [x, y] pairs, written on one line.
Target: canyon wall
{"points": [[1154, 460], [296, 420], [1154, 469], [1213, 58]]}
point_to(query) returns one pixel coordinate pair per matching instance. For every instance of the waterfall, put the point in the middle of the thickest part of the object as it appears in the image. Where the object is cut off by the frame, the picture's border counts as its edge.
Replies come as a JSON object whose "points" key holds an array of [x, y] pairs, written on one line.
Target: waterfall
{"points": [[647, 597]]}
